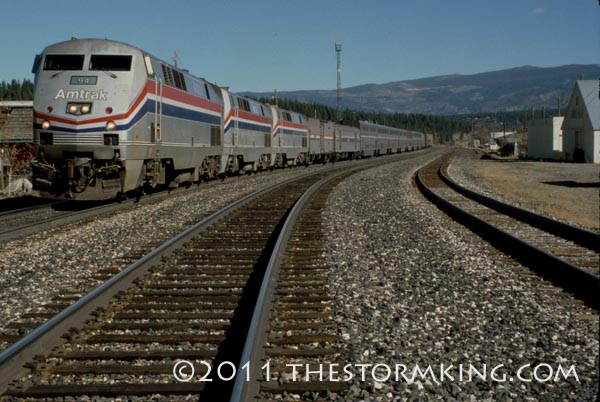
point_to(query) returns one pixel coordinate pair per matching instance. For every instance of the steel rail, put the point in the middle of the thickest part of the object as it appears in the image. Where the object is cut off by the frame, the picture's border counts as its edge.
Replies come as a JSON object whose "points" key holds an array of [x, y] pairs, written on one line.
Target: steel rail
{"points": [[50, 223], [49, 334], [246, 388], [75, 216], [109, 205], [39, 340], [582, 284], [583, 237], [9, 212]]}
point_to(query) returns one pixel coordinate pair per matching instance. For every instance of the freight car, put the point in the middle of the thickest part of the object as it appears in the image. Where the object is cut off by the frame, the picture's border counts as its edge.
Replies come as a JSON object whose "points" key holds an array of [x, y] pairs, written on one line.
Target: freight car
{"points": [[111, 119]]}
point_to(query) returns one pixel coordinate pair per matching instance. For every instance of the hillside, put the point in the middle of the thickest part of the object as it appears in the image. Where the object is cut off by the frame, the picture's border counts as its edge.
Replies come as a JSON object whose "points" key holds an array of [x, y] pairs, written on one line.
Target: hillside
{"points": [[517, 88]]}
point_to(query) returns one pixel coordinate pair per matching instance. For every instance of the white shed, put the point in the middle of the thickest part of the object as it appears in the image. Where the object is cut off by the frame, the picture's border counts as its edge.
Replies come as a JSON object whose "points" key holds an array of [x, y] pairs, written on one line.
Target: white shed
{"points": [[545, 138]]}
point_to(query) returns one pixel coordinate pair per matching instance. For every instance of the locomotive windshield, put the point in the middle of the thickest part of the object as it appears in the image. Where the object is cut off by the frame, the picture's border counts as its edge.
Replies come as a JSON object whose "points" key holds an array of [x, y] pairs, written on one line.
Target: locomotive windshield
{"points": [[110, 62], [55, 62]]}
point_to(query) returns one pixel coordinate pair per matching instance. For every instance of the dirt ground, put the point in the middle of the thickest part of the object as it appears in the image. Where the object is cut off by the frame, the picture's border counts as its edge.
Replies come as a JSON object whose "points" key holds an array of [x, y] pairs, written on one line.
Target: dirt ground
{"points": [[568, 191]]}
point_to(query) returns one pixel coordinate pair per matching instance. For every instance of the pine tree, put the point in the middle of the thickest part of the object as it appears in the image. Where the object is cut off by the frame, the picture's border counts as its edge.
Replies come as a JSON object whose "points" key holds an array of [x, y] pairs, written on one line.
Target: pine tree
{"points": [[16, 90]]}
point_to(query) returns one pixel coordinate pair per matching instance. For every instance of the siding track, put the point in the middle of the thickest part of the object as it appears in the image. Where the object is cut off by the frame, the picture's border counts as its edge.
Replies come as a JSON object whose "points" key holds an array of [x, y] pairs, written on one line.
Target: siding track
{"points": [[565, 254]]}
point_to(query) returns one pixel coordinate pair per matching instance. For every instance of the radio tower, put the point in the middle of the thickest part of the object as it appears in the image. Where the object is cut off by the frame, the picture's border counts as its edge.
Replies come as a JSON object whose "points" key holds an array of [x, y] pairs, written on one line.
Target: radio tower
{"points": [[338, 51]]}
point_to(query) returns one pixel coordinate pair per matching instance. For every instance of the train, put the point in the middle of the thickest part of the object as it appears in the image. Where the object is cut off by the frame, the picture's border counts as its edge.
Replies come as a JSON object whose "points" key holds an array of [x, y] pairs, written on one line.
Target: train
{"points": [[111, 119]]}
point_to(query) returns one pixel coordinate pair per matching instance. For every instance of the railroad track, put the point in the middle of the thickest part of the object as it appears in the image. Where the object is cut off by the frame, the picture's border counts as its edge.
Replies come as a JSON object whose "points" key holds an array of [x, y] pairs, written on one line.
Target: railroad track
{"points": [[31, 219], [567, 255], [299, 334], [19, 222], [16, 222], [192, 299], [30, 215], [8, 205]]}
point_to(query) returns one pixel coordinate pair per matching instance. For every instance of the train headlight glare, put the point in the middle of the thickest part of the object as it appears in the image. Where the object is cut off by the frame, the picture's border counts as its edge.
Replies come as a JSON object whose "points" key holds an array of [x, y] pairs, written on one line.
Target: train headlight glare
{"points": [[73, 109], [111, 125], [85, 108], [45, 124]]}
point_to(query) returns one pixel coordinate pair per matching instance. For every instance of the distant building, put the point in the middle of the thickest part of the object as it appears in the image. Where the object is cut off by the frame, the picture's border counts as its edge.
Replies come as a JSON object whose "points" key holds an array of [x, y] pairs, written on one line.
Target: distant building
{"points": [[506, 136], [581, 126], [16, 121], [428, 140], [545, 138]]}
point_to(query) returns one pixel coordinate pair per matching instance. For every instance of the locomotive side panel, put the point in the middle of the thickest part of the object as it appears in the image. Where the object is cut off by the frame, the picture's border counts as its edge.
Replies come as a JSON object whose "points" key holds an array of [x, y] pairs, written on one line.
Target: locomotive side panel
{"points": [[184, 123], [290, 138], [295, 139], [247, 130]]}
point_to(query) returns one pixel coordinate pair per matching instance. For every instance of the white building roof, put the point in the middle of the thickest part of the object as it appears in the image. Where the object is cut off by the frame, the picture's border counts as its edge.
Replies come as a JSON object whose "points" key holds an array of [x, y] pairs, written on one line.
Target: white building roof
{"points": [[590, 92], [501, 134], [16, 103]]}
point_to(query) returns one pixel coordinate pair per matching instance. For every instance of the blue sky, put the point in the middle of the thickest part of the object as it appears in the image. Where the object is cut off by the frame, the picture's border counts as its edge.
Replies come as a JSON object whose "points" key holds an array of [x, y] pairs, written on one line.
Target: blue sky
{"points": [[289, 44]]}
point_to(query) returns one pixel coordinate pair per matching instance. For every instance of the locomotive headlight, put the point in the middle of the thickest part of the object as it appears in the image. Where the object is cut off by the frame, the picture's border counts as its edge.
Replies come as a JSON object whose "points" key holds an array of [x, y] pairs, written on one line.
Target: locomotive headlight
{"points": [[85, 108], [45, 124], [110, 125], [73, 108]]}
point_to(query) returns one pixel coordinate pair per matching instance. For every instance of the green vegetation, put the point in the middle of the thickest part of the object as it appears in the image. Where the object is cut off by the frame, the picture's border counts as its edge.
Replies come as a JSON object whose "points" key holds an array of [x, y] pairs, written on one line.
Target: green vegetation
{"points": [[442, 127], [16, 90]]}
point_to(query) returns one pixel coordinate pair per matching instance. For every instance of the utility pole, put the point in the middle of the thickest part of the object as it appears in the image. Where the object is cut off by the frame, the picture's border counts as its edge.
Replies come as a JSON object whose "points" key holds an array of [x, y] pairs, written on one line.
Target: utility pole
{"points": [[338, 51]]}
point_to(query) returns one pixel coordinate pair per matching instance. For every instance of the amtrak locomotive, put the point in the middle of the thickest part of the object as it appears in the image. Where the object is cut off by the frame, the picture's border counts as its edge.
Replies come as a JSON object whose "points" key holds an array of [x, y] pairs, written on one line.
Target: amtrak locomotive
{"points": [[111, 119]]}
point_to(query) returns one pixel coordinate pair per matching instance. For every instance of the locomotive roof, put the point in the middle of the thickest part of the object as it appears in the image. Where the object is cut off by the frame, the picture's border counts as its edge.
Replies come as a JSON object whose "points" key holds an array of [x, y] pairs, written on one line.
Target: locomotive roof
{"points": [[368, 123], [77, 41]]}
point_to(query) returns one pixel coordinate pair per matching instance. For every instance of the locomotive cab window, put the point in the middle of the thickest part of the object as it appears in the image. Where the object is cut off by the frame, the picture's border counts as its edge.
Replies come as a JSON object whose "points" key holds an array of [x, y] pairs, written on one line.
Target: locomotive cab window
{"points": [[110, 62], [54, 62]]}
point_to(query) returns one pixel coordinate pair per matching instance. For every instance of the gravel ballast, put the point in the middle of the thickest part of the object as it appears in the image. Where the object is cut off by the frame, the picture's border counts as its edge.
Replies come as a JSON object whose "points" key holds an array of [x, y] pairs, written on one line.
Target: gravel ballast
{"points": [[414, 287], [64, 261]]}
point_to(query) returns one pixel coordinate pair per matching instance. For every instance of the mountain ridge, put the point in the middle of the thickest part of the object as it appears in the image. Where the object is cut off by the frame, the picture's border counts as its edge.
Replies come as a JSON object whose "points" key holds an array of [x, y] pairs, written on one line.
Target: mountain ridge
{"points": [[511, 89]]}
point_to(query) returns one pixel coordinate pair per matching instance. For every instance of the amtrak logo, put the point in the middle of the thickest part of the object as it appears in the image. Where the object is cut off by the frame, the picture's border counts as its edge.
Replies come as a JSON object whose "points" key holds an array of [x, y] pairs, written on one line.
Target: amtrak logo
{"points": [[81, 94]]}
